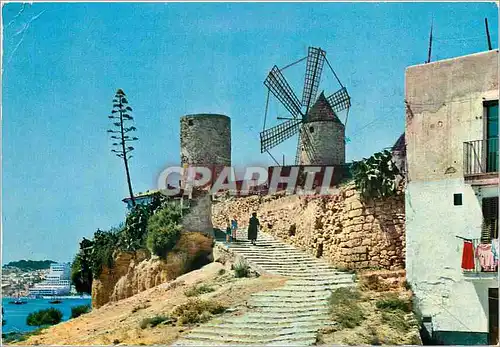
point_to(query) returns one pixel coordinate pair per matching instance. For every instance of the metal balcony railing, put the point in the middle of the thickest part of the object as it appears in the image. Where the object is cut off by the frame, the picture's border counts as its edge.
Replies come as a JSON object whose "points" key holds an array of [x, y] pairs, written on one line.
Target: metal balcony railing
{"points": [[481, 156], [479, 258]]}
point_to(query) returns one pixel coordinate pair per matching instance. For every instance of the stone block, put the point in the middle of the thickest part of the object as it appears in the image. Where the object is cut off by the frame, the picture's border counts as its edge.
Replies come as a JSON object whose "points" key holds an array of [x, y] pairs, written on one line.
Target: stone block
{"points": [[365, 264], [358, 220], [355, 213], [367, 226], [358, 227], [366, 242], [369, 218], [360, 249], [356, 204]]}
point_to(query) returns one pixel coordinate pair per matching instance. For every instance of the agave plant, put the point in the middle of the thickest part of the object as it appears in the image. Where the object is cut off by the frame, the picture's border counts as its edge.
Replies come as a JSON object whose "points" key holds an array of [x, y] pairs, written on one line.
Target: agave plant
{"points": [[375, 177]]}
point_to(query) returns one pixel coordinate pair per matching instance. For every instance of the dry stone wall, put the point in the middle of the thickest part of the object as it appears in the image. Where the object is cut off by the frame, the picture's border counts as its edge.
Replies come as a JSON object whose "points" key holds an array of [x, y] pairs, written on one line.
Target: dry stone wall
{"points": [[341, 228]]}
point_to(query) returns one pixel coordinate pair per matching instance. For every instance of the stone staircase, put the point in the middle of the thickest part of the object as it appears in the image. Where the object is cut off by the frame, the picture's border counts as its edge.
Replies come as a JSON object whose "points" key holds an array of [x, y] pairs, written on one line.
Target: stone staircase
{"points": [[290, 315]]}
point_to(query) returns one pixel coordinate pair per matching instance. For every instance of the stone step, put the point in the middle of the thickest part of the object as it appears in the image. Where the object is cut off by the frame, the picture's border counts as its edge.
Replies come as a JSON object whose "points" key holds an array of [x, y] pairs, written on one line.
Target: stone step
{"points": [[279, 318], [303, 306], [289, 315], [292, 295], [292, 301], [317, 289], [250, 340], [283, 311], [250, 331], [261, 324], [317, 273]]}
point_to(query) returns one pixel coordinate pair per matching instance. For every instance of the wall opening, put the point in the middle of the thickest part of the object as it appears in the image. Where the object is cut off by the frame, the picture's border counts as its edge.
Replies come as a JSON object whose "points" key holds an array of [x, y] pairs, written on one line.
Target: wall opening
{"points": [[190, 122]]}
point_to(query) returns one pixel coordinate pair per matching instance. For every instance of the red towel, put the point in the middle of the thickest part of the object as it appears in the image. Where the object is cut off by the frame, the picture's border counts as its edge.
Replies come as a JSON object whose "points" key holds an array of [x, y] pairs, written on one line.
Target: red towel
{"points": [[468, 256]]}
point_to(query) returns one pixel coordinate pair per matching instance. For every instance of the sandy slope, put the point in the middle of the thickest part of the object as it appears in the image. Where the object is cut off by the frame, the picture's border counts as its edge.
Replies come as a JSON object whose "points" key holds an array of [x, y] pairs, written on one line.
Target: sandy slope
{"points": [[119, 322]]}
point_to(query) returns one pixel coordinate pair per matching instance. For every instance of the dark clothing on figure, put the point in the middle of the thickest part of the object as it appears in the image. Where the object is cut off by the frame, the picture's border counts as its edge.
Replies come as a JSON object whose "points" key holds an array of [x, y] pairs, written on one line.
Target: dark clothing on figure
{"points": [[253, 227]]}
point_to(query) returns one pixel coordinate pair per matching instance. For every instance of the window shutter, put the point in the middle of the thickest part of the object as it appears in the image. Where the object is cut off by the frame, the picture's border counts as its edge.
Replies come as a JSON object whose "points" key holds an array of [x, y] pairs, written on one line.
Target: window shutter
{"points": [[490, 219]]}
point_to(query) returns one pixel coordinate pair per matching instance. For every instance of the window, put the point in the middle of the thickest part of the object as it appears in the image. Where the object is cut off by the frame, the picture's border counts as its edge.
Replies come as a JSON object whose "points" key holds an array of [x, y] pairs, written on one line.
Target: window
{"points": [[491, 108], [190, 122], [490, 219], [311, 129], [457, 199]]}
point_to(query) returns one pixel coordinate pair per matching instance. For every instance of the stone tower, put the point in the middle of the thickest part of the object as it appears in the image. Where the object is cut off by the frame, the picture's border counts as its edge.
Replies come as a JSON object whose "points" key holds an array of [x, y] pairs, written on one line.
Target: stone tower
{"points": [[326, 134], [205, 141]]}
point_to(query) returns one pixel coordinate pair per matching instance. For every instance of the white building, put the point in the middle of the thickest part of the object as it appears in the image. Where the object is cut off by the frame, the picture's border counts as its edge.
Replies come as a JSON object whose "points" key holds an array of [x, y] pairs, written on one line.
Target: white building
{"points": [[452, 194], [57, 281]]}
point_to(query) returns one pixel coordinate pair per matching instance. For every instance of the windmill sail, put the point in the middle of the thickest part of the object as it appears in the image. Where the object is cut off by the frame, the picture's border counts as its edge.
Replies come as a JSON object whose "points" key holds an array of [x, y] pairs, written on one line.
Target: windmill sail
{"points": [[314, 67], [340, 100], [280, 88], [272, 137]]}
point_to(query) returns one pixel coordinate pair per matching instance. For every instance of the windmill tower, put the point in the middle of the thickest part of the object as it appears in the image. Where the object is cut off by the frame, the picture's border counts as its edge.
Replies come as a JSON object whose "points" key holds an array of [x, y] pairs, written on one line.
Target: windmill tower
{"points": [[321, 134]]}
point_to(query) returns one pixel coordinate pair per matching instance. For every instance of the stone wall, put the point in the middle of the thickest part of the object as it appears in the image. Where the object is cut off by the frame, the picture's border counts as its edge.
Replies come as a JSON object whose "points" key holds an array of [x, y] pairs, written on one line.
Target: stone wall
{"points": [[199, 217], [340, 228]]}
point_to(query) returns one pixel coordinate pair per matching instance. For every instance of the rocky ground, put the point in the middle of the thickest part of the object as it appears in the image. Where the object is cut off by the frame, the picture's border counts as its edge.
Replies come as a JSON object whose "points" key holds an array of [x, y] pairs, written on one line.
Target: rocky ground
{"points": [[120, 322], [377, 312]]}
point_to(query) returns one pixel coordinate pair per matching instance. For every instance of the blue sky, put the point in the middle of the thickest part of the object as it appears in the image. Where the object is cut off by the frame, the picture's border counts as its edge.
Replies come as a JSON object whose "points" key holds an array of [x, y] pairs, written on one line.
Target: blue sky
{"points": [[62, 64]]}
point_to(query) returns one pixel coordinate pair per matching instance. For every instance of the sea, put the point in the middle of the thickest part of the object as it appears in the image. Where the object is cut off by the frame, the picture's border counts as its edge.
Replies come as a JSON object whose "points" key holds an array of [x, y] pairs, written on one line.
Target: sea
{"points": [[15, 315]]}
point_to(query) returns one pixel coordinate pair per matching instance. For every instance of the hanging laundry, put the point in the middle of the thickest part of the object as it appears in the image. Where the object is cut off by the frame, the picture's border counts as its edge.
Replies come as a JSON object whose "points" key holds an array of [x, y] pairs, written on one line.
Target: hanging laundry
{"points": [[485, 256], [494, 250], [468, 256]]}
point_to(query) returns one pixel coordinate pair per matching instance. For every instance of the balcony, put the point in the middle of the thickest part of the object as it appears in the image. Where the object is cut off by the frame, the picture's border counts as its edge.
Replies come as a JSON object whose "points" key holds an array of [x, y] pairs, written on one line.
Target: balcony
{"points": [[481, 161], [482, 268]]}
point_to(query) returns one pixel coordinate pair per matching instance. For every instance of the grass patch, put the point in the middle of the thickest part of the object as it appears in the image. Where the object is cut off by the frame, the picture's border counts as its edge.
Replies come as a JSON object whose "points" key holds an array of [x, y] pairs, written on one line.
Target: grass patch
{"points": [[393, 303], [154, 321], [345, 308], [241, 269], [198, 290], [197, 311], [396, 320], [77, 311]]}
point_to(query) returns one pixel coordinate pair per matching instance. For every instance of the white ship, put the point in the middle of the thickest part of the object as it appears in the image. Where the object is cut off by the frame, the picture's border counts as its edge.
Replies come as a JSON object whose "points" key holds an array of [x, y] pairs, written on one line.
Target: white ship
{"points": [[56, 282]]}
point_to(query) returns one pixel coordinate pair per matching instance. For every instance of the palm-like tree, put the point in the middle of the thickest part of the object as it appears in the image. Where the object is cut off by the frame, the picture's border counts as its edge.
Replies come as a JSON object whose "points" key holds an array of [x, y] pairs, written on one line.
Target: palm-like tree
{"points": [[122, 133]]}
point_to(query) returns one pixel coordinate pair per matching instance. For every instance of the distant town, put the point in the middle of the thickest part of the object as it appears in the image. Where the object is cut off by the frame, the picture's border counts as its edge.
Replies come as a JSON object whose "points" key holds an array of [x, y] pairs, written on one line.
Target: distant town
{"points": [[36, 278]]}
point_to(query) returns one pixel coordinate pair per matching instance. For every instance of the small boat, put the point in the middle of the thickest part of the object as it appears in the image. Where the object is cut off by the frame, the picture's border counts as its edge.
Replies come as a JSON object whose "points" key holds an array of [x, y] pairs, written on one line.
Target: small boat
{"points": [[55, 301]]}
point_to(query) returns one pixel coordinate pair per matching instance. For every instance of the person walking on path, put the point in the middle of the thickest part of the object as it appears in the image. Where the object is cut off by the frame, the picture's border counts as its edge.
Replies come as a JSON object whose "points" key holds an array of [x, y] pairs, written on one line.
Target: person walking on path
{"points": [[234, 228], [253, 227], [228, 232]]}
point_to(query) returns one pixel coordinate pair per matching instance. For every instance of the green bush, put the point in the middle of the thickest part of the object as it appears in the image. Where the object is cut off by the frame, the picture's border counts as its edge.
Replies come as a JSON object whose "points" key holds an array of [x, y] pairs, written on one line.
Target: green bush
{"points": [[241, 269], [49, 316], [133, 235], [345, 308], [396, 320], [393, 303], [81, 273], [198, 290], [197, 311], [105, 244], [77, 311], [375, 177], [163, 230], [154, 321]]}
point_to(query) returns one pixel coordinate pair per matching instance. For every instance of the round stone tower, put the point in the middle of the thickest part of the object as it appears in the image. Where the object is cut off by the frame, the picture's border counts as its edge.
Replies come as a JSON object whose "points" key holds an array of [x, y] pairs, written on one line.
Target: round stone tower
{"points": [[206, 140], [322, 136]]}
